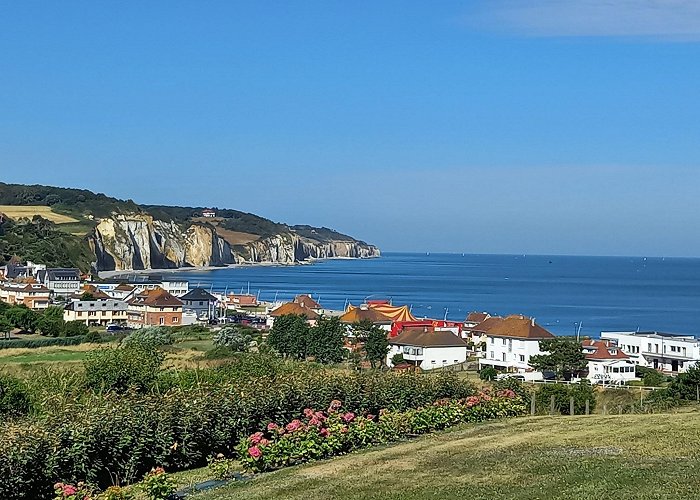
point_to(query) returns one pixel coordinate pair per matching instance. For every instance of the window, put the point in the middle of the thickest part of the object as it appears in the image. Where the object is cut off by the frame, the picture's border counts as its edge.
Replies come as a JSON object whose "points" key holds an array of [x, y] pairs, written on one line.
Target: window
{"points": [[491, 340], [174, 319], [504, 341], [522, 358], [161, 320], [649, 347], [504, 356], [491, 355]]}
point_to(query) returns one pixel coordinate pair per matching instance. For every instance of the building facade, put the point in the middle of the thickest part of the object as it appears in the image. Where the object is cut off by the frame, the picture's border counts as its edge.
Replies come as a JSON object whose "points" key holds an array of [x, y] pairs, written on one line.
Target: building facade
{"points": [[154, 308], [201, 303], [99, 312], [61, 281], [32, 295], [427, 348], [607, 364], [662, 351]]}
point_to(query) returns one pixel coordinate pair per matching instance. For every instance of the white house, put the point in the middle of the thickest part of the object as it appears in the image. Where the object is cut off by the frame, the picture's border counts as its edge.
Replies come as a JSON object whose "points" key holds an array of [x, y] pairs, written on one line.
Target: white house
{"points": [[607, 364], [428, 348], [662, 351], [471, 331], [101, 311], [511, 342]]}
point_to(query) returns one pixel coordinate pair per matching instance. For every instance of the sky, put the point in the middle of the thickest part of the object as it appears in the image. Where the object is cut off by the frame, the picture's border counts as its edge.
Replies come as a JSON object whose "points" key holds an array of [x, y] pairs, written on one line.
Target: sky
{"points": [[495, 126]]}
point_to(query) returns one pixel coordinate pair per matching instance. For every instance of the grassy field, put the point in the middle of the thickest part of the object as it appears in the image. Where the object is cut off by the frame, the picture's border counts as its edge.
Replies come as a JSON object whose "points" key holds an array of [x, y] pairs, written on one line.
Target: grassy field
{"points": [[16, 212], [621, 457]]}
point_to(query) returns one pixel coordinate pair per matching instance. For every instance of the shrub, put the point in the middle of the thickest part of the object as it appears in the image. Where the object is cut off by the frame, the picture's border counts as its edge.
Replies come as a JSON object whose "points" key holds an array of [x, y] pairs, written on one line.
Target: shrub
{"points": [[488, 373], [157, 484], [397, 359], [14, 397], [233, 338], [511, 384], [222, 468], [75, 329], [80, 491], [321, 434], [122, 368], [153, 336], [649, 376], [115, 493], [93, 337], [562, 393]]}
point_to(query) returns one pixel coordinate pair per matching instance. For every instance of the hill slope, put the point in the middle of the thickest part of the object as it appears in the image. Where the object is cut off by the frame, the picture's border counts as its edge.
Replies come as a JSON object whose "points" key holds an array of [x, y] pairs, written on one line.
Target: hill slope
{"points": [[121, 235], [626, 456]]}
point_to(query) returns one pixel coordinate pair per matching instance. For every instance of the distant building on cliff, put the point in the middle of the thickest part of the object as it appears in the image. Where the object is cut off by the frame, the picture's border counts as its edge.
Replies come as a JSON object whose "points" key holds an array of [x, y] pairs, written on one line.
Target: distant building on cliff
{"points": [[208, 213]]}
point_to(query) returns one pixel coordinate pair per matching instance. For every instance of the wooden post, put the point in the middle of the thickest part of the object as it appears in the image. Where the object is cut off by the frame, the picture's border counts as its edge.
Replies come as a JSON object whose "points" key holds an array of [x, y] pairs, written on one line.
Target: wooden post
{"points": [[619, 409], [605, 409], [532, 405], [697, 392], [588, 407], [551, 406], [571, 406]]}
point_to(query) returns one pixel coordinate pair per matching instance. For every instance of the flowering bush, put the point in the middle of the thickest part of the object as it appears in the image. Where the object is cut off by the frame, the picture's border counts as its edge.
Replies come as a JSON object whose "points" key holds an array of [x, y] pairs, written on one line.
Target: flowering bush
{"points": [[115, 493], [64, 491], [321, 434], [222, 468], [157, 484]]}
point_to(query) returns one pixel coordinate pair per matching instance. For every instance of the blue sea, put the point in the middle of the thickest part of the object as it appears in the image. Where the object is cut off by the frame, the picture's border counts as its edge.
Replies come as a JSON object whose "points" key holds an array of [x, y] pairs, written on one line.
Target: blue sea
{"points": [[561, 292]]}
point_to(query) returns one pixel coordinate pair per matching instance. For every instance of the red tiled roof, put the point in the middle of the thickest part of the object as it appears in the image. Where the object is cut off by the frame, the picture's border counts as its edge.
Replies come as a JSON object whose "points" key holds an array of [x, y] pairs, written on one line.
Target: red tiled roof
{"points": [[427, 337], [360, 314], [513, 326], [307, 301], [294, 308], [477, 317], [601, 350], [156, 298]]}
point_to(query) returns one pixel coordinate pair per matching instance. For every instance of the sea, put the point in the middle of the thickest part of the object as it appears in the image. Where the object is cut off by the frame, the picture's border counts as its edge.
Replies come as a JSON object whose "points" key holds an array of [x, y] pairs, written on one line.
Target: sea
{"points": [[565, 294]]}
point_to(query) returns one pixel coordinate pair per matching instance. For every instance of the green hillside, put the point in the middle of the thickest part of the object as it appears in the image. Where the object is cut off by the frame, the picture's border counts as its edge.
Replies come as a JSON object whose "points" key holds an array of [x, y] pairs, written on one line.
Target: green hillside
{"points": [[596, 457]]}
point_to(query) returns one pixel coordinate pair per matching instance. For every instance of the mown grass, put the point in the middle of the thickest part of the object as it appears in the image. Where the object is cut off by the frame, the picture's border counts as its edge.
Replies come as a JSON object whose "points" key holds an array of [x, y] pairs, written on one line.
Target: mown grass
{"points": [[29, 211], [622, 457]]}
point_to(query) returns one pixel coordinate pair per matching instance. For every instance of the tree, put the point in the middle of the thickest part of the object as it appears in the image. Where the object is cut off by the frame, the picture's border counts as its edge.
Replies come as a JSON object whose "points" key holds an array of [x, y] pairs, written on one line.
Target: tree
{"points": [[564, 357], [75, 329], [326, 340], [234, 338], [376, 346], [5, 327], [289, 336], [51, 322], [397, 359], [23, 318], [488, 373], [87, 296]]}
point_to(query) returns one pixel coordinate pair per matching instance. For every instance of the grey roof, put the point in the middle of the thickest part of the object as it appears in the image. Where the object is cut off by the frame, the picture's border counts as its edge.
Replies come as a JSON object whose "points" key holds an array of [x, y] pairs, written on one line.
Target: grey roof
{"points": [[198, 294], [59, 273]]}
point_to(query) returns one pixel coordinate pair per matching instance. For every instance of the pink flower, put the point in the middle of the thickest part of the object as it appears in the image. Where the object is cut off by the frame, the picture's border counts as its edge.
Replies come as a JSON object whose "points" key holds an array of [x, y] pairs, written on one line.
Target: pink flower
{"points": [[308, 412], [58, 486], [254, 452], [349, 417], [473, 401], [255, 438], [264, 442], [324, 432], [320, 415], [370, 417], [69, 490], [314, 421], [294, 425], [272, 426]]}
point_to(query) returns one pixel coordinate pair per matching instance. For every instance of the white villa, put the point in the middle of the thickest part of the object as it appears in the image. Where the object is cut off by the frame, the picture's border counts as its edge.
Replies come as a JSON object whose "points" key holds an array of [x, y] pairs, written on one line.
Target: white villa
{"points": [[607, 364], [662, 351], [428, 348], [510, 342]]}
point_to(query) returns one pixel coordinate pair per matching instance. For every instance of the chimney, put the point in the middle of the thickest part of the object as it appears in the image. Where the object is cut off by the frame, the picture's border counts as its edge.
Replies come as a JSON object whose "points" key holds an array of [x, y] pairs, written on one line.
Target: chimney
{"points": [[533, 321]]}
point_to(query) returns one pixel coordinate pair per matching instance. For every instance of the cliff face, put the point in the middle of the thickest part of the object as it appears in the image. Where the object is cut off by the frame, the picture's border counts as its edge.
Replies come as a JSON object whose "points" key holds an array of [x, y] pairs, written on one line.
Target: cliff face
{"points": [[138, 241]]}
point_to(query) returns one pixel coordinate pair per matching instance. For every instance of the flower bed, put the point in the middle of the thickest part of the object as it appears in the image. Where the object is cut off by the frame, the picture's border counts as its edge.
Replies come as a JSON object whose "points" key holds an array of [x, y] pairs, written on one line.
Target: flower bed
{"points": [[323, 434]]}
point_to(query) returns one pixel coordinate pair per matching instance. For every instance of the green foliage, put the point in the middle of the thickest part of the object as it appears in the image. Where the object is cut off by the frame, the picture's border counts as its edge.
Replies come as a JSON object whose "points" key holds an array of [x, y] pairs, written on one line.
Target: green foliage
{"points": [[157, 484], [222, 468], [22, 317], [14, 397], [51, 322], [488, 373], [234, 338], [87, 296], [46, 342], [375, 340], [397, 359], [321, 434], [511, 384], [289, 336], [686, 385], [564, 356], [153, 336], [115, 493], [75, 328], [93, 337], [563, 393], [120, 369], [5, 326], [325, 341], [41, 240], [649, 376]]}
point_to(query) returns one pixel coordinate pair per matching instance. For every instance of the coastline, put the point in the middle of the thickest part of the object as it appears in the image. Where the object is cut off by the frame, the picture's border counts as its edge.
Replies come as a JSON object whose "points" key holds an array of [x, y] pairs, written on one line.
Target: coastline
{"points": [[112, 274]]}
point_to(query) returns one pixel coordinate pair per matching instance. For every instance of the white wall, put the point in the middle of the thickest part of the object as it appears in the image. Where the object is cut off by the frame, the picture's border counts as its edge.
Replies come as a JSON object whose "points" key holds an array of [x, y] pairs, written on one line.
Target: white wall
{"points": [[512, 354], [429, 358], [616, 372], [643, 350]]}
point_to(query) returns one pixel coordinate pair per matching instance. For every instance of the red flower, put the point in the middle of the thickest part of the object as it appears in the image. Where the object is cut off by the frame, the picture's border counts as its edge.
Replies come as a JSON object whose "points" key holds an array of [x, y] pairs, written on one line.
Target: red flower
{"points": [[255, 438], [272, 426], [254, 452], [308, 412], [349, 417], [324, 432], [294, 425]]}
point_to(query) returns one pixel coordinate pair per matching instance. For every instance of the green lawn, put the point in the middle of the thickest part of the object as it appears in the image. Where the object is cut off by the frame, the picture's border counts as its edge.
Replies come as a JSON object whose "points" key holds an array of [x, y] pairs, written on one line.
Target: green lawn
{"points": [[45, 356], [595, 457]]}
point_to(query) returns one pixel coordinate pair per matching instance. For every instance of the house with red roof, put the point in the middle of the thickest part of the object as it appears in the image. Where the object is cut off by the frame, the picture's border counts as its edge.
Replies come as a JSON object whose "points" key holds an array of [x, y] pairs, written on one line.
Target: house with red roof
{"points": [[607, 364], [427, 348]]}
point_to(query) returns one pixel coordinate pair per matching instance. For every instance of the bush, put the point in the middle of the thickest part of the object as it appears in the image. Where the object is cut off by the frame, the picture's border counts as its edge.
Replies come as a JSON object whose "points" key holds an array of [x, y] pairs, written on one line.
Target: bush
{"points": [[14, 397], [233, 338], [122, 368], [511, 384], [322, 434], [397, 359], [562, 393], [93, 337], [153, 336], [75, 329], [33, 343], [157, 484], [487, 373], [649, 376]]}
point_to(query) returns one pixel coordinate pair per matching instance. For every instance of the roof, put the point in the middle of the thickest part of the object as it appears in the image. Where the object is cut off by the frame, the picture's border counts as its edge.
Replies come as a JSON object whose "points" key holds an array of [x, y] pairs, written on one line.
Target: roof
{"points": [[477, 317], [427, 337], [602, 350], [516, 326], [198, 294], [395, 313], [156, 298], [123, 287], [307, 301], [71, 273], [294, 308], [94, 291], [359, 314]]}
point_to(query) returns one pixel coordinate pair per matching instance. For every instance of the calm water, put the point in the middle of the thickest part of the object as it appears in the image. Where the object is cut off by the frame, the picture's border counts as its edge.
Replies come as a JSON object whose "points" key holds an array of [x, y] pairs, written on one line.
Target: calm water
{"points": [[604, 293]]}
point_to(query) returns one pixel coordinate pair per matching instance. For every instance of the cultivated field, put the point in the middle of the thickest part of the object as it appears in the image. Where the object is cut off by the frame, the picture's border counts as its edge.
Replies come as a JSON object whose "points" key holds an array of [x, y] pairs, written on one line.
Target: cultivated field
{"points": [[621, 457], [16, 212]]}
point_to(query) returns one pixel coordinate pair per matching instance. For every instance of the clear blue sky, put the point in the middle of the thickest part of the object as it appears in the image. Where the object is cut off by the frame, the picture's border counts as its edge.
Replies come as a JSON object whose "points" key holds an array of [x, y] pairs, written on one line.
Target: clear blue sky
{"points": [[567, 126]]}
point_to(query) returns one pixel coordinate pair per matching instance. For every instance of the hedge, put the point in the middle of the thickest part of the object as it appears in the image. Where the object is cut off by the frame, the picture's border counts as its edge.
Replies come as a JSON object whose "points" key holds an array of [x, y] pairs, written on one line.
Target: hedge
{"points": [[46, 342], [123, 436]]}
